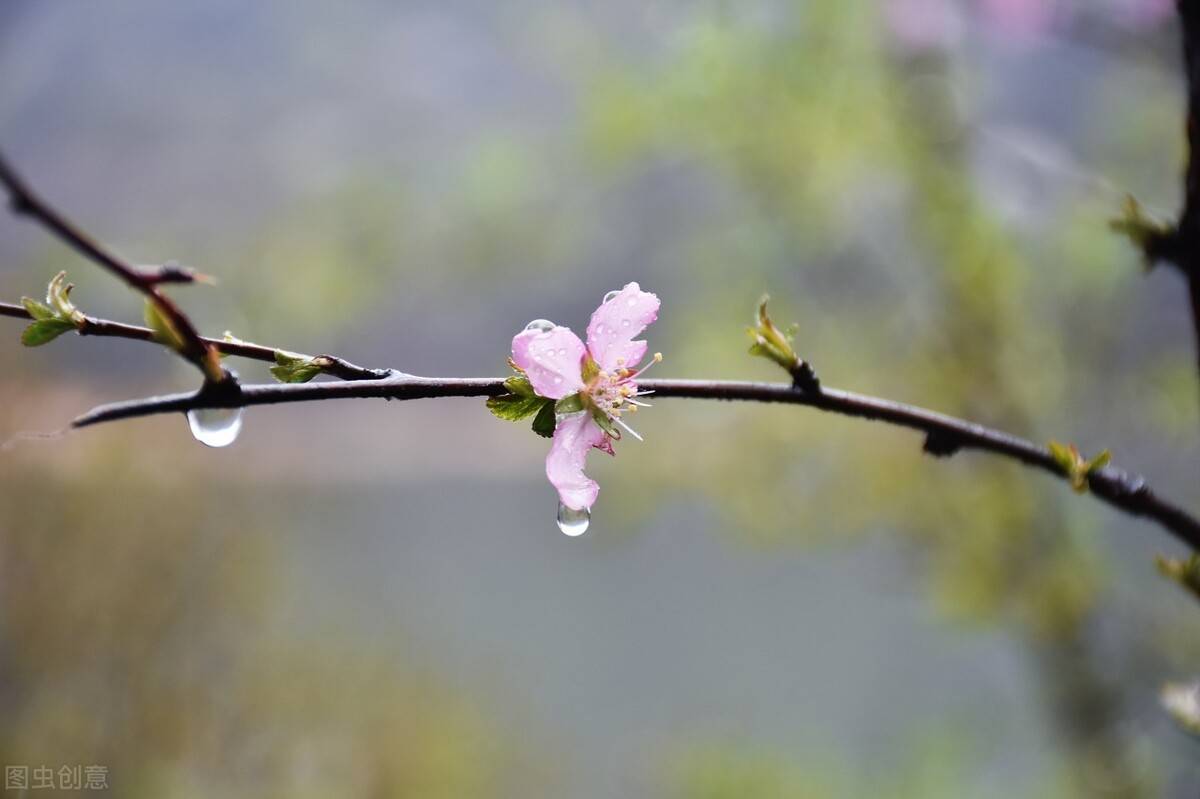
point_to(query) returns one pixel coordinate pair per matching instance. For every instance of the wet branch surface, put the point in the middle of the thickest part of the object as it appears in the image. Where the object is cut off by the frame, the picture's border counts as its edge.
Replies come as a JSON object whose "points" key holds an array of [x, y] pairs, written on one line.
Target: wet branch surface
{"points": [[945, 434]]}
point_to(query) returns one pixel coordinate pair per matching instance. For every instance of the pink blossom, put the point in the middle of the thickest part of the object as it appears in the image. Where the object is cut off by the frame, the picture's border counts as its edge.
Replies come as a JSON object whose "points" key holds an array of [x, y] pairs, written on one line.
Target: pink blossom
{"points": [[603, 374]]}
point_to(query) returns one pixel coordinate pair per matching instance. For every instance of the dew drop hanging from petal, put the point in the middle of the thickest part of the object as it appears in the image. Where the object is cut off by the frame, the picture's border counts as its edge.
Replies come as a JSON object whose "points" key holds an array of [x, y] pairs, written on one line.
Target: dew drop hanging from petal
{"points": [[573, 522], [540, 325], [215, 427]]}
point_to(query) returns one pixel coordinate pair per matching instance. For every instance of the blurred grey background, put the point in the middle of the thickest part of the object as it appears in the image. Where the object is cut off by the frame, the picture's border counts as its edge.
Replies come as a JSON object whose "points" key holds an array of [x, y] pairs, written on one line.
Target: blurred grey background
{"points": [[370, 598]]}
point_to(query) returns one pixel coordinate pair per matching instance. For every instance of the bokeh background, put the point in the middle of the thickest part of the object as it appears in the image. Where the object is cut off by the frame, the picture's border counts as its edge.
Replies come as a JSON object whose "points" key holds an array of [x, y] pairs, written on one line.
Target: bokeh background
{"points": [[372, 599]]}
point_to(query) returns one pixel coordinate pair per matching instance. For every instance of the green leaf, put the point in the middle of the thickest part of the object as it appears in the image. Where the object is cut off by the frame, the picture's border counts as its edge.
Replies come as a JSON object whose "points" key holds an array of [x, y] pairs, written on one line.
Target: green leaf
{"points": [[1099, 462], [38, 311], [1074, 465], [56, 297], [292, 367], [164, 331], [546, 420], [44, 331], [571, 404], [771, 342], [1062, 455], [514, 407]]}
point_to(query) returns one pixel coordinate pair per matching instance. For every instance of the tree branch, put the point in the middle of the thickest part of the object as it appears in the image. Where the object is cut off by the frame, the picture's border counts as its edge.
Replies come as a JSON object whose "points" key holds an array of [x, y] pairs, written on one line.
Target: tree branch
{"points": [[193, 347], [944, 435], [332, 365], [1122, 490], [1185, 245]]}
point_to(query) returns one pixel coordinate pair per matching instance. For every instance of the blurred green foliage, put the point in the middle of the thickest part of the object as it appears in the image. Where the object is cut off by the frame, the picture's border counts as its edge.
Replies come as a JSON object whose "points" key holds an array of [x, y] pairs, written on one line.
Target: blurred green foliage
{"points": [[154, 645], [804, 119]]}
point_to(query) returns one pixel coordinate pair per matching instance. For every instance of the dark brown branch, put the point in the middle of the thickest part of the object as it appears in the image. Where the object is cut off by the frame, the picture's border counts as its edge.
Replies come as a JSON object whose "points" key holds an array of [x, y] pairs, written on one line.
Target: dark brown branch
{"points": [[1118, 488], [27, 203], [1186, 246], [91, 326]]}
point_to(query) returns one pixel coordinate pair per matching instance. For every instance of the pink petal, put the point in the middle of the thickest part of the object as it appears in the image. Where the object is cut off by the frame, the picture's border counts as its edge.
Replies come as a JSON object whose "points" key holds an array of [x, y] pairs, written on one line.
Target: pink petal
{"points": [[574, 436], [553, 360], [615, 323]]}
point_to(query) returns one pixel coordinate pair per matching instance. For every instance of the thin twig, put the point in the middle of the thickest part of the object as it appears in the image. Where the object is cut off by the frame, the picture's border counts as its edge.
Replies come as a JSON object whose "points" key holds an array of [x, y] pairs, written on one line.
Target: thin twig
{"points": [[91, 326], [193, 347], [1125, 491]]}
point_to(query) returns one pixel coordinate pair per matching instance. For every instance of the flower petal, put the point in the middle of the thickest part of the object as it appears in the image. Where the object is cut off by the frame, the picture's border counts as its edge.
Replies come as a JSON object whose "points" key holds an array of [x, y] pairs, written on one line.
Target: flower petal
{"points": [[552, 359], [615, 323], [574, 436]]}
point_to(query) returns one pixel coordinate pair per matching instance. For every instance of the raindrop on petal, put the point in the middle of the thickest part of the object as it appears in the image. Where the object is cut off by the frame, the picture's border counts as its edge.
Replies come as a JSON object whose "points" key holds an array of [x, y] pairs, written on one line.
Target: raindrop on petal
{"points": [[540, 325], [573, 522], [609, 296], [216, 427], [625, 323]]}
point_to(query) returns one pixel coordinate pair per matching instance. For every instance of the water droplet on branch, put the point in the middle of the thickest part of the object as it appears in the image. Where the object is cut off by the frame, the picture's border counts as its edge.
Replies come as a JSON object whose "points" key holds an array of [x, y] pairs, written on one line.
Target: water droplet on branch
{"points": [[215, 427], [573, 522]]}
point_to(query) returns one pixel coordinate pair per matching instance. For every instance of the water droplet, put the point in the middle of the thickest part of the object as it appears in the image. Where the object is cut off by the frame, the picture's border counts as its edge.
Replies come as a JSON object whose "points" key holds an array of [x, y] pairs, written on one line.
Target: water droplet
{"points": [[609, 296], [562, 353], [573, 522], [625, 323], [632, 302], [540, 325], [557, 379], [216, 427]]}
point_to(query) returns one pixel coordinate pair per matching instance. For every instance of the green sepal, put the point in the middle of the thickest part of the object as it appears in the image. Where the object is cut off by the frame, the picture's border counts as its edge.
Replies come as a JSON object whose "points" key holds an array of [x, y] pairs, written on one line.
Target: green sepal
{"points": [[291, 367], [43, 331], [520, 385], [514, 407], [606, 424], [571, 404], [38, 311], [546, 420]]}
